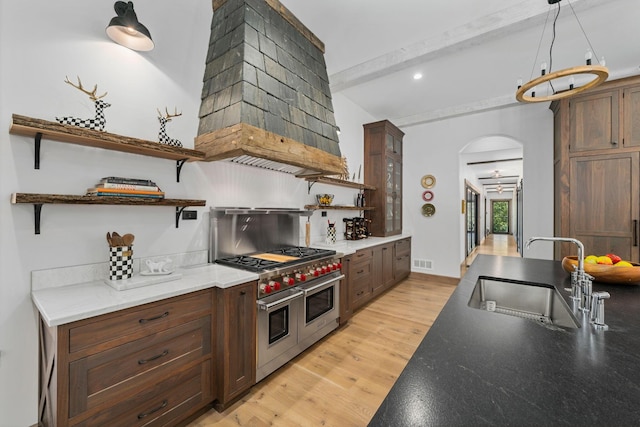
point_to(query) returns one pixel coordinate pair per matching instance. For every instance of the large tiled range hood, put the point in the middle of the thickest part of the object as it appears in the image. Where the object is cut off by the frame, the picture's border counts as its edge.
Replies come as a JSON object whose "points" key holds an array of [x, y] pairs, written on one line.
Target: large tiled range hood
{"points": [[266, 100]]}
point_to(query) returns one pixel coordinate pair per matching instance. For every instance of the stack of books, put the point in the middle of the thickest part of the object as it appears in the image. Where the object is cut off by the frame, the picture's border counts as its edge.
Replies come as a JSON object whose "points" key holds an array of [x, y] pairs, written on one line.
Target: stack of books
{"points": [[116, 186]]}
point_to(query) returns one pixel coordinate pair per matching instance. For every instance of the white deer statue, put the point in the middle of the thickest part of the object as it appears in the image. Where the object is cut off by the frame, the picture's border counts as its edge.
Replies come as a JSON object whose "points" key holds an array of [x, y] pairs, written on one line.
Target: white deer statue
{"points": [[163, 138], [96, 123]]}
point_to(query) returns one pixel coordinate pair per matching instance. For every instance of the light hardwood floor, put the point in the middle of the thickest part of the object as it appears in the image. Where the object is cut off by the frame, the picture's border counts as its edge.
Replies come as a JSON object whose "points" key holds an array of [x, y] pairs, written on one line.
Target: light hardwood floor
{"points": [[493, 244], [342, 380]]}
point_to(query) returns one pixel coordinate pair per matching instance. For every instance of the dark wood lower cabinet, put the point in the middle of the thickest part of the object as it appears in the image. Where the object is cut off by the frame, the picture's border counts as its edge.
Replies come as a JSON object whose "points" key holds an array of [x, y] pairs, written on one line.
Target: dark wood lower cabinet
{"points": [[236, 336], [148, 365], [371, 271], [401, 259], [345, 295]]}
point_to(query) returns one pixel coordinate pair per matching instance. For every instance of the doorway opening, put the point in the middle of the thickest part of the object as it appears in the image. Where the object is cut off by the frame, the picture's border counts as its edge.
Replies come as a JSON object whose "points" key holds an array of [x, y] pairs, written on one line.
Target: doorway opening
{"points": [[501, 216]]}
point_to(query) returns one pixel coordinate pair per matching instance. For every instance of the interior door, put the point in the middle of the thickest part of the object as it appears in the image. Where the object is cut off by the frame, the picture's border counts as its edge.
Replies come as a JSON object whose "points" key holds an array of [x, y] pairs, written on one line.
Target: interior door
{"points": [[472, 235], [604, 204]]}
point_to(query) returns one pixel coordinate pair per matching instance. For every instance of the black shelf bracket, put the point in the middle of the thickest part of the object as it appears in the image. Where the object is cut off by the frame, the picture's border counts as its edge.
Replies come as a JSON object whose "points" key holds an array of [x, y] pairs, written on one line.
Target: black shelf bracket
{"points": [[179, 164], [37, 210], [309, 185], [179, 210], [36, 154]]}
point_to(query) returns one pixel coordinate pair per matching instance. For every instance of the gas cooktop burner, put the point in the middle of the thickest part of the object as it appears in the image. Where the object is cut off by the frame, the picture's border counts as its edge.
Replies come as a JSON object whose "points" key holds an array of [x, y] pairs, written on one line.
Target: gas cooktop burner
{"points": [[250, 263], [303, 252]]}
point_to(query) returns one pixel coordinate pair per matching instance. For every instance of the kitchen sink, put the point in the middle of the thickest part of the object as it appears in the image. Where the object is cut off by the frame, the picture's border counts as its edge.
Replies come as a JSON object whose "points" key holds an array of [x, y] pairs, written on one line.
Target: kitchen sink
{"points": [[535, 301]]}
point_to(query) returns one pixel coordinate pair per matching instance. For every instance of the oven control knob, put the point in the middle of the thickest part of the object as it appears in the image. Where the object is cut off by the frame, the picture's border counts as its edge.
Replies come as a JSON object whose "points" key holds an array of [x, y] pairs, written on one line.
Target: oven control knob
{"points": [[339, 265], [317, 271], [301, 277], [263, 287], [274, 285], [267, 289], [288, 280], [323, 269]]}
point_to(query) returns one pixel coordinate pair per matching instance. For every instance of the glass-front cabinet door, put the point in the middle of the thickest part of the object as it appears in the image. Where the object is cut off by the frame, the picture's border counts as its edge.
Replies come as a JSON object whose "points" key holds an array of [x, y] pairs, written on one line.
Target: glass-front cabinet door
{"points": [[383, 170]]}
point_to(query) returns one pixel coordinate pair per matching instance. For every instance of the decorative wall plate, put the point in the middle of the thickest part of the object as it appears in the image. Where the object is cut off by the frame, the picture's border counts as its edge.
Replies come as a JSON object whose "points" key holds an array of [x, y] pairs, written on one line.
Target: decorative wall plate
{"points": [[428, 181], [428, 209], [427, 196]]}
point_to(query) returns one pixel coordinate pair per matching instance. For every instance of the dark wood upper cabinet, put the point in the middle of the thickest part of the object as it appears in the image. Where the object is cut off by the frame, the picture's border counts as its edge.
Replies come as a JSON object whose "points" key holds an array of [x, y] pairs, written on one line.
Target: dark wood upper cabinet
{"points": [[597, 170], [383, 170]]}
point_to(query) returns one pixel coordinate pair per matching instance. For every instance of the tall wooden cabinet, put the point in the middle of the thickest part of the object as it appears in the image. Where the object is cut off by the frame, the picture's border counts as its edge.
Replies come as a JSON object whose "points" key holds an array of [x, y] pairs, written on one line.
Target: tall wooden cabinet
{"points": [[383, 170], [597, 170]]}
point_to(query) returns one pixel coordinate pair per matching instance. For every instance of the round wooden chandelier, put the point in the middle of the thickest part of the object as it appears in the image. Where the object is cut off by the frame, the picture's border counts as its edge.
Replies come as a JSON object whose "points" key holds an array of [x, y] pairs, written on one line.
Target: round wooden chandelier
{"points": [[527, 92], [600, 72]]}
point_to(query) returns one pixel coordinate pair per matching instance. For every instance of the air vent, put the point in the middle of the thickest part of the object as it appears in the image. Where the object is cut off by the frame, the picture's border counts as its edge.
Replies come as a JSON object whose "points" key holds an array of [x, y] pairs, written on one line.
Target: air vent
{"points": [[423, 264]]}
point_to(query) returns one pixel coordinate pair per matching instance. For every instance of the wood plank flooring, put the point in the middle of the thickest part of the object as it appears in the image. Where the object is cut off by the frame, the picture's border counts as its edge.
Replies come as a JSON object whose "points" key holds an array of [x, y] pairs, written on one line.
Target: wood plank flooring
{"points": [[342, 380], [493, 244]]}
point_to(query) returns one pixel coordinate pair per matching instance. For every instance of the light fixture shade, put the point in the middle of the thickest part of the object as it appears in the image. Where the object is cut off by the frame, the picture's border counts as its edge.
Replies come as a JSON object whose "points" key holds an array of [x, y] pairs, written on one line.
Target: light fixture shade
{"points": [[125, 29]]}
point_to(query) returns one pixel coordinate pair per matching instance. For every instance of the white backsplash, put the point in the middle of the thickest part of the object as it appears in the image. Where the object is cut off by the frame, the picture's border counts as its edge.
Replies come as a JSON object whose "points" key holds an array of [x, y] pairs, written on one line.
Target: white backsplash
{"points": [[72, 275]]}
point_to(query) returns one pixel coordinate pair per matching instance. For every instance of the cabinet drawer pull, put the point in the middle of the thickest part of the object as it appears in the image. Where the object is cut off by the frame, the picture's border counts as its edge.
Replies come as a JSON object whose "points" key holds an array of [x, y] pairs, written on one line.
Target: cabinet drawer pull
{"points": [[243, 292], [360, 272], [360, 255], [143, 321], [635, 232], [164, 403], [152, 358]]}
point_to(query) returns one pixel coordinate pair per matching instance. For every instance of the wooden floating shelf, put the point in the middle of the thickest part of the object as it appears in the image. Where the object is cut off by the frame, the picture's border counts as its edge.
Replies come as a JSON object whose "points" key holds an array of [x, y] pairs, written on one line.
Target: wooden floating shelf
{"points": [[27, 126], [343, 208], [339, 182], [61, 199], [38, 129]]}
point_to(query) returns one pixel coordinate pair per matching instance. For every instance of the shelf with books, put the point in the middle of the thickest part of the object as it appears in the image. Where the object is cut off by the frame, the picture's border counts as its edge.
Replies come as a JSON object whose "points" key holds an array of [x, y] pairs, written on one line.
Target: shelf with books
{"points": [[40, 199], [126, 187], [38, 129]]}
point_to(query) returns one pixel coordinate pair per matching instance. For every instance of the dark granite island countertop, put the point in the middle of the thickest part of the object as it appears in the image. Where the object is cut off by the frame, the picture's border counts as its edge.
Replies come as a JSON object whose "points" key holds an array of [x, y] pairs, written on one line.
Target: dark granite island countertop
{"points": [[480, 368]]}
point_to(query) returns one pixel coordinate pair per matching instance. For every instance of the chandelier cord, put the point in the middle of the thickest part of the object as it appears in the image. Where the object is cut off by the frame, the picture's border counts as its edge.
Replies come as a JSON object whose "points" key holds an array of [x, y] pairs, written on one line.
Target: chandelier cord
{"points": [[553, 39], [582, 29], [535, 60]]}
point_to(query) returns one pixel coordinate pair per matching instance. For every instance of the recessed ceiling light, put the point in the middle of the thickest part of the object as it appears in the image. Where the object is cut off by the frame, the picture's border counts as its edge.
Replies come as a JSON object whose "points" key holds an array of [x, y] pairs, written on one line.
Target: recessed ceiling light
{"points": [[417, 76]]}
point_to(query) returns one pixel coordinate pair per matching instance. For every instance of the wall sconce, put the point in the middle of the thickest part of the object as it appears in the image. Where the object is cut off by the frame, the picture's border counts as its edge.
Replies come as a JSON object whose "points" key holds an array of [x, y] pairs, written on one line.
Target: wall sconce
{"points": [[126, 30]]}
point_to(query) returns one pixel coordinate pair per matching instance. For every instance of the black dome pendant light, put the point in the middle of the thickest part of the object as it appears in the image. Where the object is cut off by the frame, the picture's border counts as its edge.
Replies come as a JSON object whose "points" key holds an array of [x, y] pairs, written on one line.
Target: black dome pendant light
{"points": [[126, 30]]}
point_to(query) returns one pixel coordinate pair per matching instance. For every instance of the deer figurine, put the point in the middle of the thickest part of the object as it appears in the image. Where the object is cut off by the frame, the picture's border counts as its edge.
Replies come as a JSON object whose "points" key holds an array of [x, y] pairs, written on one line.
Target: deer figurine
{"points": [[98, 122], [163, 138]]}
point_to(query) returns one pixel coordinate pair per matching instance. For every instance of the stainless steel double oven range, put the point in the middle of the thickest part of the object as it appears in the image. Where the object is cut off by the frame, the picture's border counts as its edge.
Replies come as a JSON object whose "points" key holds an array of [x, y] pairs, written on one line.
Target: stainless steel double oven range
{"points": [[298, 287]]}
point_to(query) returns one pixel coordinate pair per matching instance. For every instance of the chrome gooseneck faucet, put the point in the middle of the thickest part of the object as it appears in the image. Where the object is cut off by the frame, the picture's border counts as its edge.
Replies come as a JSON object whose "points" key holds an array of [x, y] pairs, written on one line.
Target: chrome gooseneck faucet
{"points": [[580, 280]]}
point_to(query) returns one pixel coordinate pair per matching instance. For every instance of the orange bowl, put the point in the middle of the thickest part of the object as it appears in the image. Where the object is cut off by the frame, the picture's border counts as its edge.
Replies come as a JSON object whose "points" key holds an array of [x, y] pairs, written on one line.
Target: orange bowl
{"points": [[606, 273]]}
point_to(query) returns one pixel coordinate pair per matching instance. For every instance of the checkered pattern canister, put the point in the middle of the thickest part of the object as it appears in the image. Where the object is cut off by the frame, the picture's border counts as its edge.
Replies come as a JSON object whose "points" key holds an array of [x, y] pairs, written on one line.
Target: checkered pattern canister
{"points": [[120, 262]]}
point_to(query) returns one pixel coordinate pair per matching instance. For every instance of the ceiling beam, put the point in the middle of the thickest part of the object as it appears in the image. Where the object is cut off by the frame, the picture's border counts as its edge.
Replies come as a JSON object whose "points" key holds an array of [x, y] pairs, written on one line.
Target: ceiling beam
{"points": [[521, 16], [484, 162]]}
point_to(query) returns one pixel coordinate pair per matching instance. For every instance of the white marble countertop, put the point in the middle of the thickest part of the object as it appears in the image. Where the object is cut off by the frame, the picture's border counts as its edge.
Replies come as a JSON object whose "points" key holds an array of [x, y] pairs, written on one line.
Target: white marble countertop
{"points": [[66, 304], [348, 247]]}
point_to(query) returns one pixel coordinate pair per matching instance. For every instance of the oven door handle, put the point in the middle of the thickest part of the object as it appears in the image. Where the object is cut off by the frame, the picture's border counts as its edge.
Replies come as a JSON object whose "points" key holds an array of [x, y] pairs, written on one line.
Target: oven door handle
{"points": [[268, 306], [321, 285]]}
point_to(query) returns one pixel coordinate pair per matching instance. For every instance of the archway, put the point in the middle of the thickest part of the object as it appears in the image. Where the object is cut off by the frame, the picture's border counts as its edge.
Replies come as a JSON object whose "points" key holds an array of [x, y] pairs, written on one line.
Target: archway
{"points": [[491, 166]]}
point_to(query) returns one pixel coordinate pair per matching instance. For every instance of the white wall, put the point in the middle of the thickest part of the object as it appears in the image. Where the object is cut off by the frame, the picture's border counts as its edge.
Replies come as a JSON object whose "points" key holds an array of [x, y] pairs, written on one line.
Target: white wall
{"points": [[433, 148], [41, 42]]}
